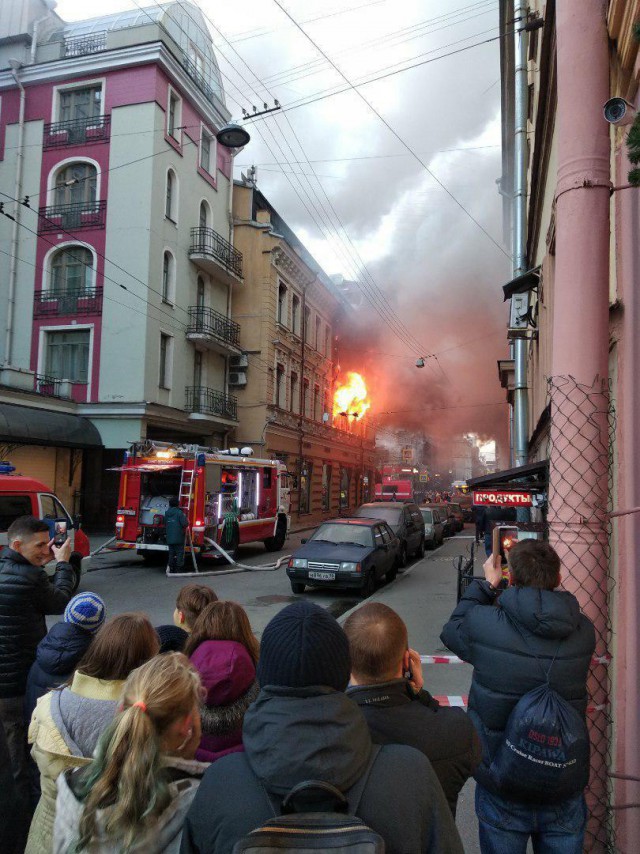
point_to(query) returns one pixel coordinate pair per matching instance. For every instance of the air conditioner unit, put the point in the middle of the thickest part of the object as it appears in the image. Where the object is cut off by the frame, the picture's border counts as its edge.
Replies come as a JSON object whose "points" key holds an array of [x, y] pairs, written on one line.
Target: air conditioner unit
{"points": [[238, 362], [237, 378]]}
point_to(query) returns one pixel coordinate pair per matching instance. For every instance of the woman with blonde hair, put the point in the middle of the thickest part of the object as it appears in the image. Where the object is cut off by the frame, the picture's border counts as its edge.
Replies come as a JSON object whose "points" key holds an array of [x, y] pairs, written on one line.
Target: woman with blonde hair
{"points": [[136, 793], [68, 721], [224, 651]]}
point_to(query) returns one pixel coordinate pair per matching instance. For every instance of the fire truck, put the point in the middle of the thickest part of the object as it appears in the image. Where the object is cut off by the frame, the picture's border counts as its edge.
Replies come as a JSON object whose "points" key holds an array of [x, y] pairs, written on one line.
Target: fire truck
{"points": [[401, 484], [229, 497]]}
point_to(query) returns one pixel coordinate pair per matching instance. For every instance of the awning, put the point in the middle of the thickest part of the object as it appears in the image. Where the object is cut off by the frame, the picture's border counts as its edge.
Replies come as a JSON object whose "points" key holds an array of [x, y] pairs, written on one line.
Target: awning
{"points": [[26, 425], [530, 476], [148, 468], [521, 284]]}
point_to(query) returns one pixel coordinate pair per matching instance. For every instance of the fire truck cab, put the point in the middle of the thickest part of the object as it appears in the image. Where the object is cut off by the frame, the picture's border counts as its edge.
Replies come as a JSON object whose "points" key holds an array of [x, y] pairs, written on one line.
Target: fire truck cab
{"points": [[229, 497]]}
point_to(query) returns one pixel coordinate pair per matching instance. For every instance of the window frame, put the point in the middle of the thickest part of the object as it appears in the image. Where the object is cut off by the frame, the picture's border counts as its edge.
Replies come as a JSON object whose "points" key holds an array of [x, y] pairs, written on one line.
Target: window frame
{"points": [[80, 84], [174, 117], [43, 354], [171, 199], [280, 386], [282, 307], [295, 313], [213, 151], [58, 167], [165, 362], [169, 286], [47, 267]]}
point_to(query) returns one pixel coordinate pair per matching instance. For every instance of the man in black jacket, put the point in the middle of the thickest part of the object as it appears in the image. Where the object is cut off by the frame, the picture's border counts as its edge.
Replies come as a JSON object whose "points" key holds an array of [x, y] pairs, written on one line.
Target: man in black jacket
{"points": [[387, 684], [510, 640], [303, 727], [26, 596]]}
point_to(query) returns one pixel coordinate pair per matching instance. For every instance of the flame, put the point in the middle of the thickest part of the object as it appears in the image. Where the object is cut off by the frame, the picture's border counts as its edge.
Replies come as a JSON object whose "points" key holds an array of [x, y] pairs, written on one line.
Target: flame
{"points": [[352, 399]]}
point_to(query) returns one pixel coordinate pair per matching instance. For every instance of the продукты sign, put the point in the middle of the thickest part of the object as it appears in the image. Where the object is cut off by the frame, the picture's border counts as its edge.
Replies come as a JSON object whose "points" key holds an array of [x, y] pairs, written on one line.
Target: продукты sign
{"points": [[502, 498]]}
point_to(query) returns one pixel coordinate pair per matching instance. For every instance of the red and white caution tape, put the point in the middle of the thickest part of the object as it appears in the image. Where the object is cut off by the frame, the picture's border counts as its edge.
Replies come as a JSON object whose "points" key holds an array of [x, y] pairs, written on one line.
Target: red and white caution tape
{"points": [[462, 701], [453, 659]]}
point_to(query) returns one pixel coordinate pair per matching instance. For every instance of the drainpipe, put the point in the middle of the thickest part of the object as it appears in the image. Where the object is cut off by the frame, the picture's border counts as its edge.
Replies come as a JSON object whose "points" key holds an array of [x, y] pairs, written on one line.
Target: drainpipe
{"points": [[34, 36], [579, 431], [519, 245], [13, 266], [303, 343]]}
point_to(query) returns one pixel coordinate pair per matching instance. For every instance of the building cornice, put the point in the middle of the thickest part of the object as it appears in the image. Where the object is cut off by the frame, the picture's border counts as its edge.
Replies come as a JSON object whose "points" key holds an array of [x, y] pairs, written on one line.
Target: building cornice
{"points": [[295, 270]]}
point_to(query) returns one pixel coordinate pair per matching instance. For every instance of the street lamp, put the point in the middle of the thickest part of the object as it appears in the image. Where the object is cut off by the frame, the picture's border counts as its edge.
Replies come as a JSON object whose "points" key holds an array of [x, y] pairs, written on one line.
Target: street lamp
{"points": [[233, 136]]}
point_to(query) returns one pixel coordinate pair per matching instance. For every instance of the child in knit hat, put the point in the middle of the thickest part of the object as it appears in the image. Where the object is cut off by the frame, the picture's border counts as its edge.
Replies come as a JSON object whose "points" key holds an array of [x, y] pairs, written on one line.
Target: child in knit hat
{"points": [[62, 648]]}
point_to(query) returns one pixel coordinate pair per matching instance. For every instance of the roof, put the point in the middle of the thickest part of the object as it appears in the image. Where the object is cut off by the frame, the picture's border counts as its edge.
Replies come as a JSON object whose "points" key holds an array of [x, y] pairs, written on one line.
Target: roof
{"points": [[17, 483], [26, 425], [386, 503], [529, 476], [355, 520]]}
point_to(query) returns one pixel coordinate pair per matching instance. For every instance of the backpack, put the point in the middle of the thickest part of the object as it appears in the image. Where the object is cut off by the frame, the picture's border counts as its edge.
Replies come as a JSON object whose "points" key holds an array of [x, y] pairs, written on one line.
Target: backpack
{"points": [[544, 754], [316, 816]]}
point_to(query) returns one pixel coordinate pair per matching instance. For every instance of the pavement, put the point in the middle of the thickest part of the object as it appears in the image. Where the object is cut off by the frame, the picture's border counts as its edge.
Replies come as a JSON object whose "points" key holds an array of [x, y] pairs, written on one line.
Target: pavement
{"points": [[424, 595]]}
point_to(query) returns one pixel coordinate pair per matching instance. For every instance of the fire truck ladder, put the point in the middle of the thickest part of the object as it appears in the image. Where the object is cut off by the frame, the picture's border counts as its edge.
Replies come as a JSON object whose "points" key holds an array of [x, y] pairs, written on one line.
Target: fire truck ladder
{"points": [[184, 499]]}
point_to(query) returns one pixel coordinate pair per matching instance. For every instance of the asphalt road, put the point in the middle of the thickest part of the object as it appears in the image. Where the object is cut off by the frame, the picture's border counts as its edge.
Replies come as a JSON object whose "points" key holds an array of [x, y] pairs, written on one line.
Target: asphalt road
{"points": [[424, 594]]}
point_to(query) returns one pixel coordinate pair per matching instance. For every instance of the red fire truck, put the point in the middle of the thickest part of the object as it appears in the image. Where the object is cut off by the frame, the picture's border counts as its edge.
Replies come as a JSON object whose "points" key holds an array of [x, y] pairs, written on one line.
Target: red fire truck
{"points": [[229, 497]]}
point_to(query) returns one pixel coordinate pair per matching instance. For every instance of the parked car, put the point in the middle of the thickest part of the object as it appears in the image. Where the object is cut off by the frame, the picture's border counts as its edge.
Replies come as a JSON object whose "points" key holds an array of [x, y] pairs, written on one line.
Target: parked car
{"points": [[347, 553], [406, 522], [455, 511], [443, 514], [433, 527]]}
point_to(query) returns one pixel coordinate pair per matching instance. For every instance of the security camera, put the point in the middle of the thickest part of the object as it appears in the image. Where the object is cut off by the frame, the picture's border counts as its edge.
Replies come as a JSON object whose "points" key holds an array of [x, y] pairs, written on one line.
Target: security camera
{"points": [[619, 112]]}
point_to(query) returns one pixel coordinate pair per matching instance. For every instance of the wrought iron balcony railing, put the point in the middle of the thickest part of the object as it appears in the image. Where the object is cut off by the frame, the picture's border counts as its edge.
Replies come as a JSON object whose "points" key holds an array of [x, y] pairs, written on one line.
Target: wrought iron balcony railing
{"points": [[72, 217], [206, 241], [76, 132], [192, 70], [81, 45], [76, 301], [47, 386], [207, 321], [208, 401]]}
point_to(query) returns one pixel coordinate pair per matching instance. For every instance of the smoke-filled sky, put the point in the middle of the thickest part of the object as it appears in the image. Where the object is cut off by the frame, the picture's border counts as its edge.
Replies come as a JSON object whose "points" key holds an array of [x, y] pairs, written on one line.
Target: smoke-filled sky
{"points": [[438, 271]]}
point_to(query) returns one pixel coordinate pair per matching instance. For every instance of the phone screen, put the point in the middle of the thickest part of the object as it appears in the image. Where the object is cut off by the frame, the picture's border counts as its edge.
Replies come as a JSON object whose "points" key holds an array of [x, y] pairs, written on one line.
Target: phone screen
{"points": [[507, 538], [60, 533]]}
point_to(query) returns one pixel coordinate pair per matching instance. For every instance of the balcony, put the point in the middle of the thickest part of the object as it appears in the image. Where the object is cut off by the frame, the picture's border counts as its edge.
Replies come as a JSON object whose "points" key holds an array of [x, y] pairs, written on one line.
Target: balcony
{"points": [[72, 217], [201, 401], [215, 255], [76, 132], [198, 78], [213, 330], [72, 302], [51, 387], [82, 45]]}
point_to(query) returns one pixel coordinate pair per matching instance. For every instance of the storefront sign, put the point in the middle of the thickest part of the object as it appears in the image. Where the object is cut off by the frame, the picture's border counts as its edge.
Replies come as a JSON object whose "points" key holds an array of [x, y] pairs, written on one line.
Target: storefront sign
{"points": [[502, 498]]}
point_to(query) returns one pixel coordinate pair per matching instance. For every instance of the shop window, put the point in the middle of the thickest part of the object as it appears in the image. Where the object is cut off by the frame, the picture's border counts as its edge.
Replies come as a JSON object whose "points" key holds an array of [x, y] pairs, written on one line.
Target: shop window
{"points": [[344, 489], [305, 486], [326, 487]]}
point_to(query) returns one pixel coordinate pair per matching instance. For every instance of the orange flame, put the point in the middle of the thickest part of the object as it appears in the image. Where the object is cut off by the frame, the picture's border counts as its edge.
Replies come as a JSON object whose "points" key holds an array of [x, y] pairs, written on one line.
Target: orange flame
{"points": [[351, 400]]}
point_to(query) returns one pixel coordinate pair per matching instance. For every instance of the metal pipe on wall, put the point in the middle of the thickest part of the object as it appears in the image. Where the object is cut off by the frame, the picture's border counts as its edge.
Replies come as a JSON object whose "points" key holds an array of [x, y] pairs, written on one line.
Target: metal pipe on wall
{"points": [[519, 236], [13, 266]]}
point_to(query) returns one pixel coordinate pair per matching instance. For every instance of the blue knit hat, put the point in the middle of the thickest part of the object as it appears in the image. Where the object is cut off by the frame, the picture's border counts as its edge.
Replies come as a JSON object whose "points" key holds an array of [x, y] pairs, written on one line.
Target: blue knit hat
{"points": [[86, 610], [303, 645]]}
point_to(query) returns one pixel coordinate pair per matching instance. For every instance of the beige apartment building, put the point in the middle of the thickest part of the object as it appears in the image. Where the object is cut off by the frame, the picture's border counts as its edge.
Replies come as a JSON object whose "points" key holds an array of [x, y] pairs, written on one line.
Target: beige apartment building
{"points": [[288, 310]]}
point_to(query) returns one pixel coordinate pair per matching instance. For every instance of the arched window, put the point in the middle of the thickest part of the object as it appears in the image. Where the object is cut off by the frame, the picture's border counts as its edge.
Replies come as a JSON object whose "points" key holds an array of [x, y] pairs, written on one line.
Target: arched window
{"points": [[200, 292], [168, 277], [170, 200], [205, 215], [71, 271], [76, 183]]}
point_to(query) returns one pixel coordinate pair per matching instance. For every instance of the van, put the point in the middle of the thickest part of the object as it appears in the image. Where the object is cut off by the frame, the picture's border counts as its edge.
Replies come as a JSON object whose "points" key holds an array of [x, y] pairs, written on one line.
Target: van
{"points": [[24, 496]]}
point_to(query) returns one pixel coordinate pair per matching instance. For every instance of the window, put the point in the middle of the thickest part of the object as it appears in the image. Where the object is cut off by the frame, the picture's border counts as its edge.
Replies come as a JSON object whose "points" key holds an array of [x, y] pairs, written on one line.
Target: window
{"points": [[305, 486], [318, 342], [200, 292], [197, 369], [295, 314], [206, 144], [326, 487], [305, 398], [173, 115], [71, 271], [344, 489], [169, 203], [280, 386], [387, 534], [196, 58], [76, 104], [327, 342], [51, 508], [11, 508], [295, 393], [76, 183], [282, 304], [307, 320], [316, 415], [204, 219], [168, 277], [378, 539], [164, 380], [67, 355]]}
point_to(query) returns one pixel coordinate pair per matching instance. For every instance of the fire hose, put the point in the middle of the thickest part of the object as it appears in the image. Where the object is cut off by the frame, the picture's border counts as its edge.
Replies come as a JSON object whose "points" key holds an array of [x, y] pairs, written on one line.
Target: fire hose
{"points": [[238, 567]]}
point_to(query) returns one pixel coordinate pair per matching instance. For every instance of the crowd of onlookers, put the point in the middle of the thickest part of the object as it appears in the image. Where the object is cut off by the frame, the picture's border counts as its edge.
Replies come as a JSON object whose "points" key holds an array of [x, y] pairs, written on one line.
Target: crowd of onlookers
{"points": [[188, 736]]}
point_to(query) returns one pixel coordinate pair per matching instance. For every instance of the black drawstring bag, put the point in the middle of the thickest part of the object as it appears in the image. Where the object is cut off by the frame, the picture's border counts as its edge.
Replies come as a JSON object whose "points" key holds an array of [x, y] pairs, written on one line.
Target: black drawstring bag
{"points": [[544, 754]]}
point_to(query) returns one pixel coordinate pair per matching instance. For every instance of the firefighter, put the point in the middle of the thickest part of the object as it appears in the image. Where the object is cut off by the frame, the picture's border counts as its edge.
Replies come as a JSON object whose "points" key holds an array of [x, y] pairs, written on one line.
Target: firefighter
{"points": [[175, 523]]}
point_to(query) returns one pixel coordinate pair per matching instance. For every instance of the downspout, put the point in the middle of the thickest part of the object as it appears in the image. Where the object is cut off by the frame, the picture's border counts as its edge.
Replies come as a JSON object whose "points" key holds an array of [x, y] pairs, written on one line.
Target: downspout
{"points": [[13, 266], [34, 37], [519, 236], [303, 342]]}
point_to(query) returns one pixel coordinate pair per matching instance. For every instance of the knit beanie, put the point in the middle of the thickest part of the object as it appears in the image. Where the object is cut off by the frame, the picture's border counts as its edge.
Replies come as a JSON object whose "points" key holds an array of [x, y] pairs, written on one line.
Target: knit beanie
{"points": [[304, 645], [86, 610], [172, 638]]}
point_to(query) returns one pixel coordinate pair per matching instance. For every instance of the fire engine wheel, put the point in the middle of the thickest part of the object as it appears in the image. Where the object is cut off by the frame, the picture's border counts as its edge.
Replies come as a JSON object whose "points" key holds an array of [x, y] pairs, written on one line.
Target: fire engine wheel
{"points": [[75, 559], [275, 543]]}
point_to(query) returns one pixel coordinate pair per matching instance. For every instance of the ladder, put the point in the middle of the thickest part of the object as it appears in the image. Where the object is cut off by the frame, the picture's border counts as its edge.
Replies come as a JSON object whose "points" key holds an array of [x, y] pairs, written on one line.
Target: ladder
{"points": [[185, 496]]}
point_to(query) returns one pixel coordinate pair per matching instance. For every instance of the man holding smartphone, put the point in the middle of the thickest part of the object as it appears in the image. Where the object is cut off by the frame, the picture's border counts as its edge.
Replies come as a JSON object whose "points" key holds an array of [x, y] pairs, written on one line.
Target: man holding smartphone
{"points": [[505, 638], [26, 596]]}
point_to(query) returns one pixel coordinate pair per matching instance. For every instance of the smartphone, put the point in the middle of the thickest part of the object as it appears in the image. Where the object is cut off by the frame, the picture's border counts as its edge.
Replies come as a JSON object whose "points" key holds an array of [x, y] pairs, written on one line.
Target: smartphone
{"points": [[60, 533], [504, 539]]}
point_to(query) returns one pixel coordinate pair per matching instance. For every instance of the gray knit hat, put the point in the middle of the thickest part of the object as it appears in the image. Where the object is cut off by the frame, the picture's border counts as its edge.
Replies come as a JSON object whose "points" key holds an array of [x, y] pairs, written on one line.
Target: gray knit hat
{"points": [[304, 645], [86, 610]]}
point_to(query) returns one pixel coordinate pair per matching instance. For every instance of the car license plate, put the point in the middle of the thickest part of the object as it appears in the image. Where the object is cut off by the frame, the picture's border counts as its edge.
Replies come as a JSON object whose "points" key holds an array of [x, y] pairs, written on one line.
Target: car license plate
{"points": [[322, 576]]}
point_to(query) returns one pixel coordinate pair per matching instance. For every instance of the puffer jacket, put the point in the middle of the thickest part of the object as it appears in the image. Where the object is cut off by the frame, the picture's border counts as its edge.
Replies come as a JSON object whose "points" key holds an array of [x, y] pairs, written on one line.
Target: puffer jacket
{"points": [[505, 666], [163, 837], [296, 734], [56, 658], [26, 596], [64, 731], [228, 674]]}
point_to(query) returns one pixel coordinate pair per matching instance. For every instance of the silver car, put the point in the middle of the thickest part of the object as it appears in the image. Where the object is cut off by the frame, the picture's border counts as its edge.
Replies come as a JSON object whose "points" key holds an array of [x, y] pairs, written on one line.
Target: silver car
{"points": [[433, 527]]}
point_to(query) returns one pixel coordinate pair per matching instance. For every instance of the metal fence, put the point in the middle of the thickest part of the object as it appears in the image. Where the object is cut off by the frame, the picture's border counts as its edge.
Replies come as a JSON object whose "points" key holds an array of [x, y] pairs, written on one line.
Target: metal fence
{"points": [[76, 132], [206, 321], [71, 302], [82, 45], [206, 241], [73, 216], [209, 401]]}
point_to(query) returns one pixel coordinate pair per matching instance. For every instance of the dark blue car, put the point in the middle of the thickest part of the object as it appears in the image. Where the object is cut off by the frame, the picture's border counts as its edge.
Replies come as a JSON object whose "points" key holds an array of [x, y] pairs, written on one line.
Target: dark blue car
{"points": [[346, 553]]}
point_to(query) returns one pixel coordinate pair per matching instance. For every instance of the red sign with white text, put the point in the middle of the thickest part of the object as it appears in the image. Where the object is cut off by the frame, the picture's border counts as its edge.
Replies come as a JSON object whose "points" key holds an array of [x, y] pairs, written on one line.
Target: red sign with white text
{"points": [[502, 498]]}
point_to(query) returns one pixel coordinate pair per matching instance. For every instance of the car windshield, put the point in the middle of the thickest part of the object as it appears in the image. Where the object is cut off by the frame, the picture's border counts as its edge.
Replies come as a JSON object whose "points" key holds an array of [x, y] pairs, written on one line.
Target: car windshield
{"points": [[427, 515], [391, 515], [357, 535]]}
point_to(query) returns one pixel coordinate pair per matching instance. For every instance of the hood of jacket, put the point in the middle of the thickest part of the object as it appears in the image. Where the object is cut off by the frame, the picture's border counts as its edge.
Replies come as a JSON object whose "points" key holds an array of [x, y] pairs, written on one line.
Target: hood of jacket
{"points": [[226, 670], [164, 836], [295, 734], [546, 613], [60, 651], [82, 712]]}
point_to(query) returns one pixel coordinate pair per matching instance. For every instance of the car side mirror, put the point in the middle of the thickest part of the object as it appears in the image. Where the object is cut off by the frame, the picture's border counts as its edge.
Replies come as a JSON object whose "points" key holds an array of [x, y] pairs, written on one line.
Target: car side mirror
{"points": [[302, 542]]}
